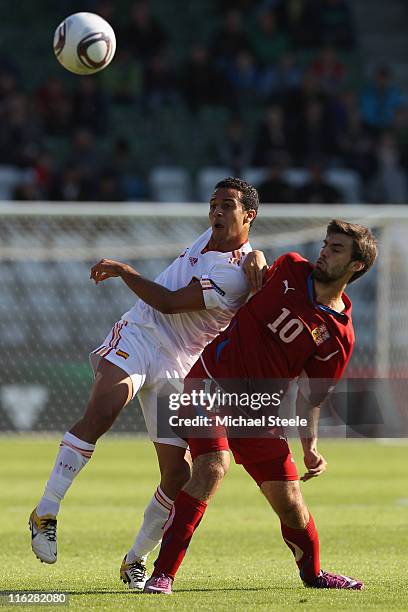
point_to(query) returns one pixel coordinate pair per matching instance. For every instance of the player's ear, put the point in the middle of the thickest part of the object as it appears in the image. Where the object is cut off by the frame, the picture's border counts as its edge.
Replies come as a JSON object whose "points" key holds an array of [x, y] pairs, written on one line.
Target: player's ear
{"points": [[250, 215], [356, 266]]}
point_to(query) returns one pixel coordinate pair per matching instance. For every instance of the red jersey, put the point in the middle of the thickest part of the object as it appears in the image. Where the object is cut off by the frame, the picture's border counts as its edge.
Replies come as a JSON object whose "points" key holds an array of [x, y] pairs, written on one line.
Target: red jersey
{"points": [[282, 332]]}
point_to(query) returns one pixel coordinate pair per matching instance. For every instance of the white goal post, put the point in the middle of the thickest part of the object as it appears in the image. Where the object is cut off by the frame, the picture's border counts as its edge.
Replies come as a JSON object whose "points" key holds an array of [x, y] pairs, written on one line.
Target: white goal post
{"points": [[51, 315]]}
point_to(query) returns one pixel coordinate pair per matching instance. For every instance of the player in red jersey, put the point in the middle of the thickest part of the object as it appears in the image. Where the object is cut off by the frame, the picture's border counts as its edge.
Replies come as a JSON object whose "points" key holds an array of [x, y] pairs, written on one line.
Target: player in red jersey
{"points": [[298, 325]]}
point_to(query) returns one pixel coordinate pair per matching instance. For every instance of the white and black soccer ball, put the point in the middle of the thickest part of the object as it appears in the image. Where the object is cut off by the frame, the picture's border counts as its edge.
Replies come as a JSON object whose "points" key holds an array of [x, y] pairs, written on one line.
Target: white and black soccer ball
{"points": [[84, 43]]}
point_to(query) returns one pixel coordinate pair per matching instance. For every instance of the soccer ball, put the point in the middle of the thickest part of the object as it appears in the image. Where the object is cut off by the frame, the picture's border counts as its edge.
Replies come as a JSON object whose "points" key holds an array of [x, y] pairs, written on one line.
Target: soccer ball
{"points": [[84, 43]]}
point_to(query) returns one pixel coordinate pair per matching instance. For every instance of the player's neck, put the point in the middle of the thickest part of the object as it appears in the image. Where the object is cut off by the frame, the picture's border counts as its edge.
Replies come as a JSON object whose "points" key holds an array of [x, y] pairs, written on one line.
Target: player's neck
{"points": [[330, 294], [228, 244]]}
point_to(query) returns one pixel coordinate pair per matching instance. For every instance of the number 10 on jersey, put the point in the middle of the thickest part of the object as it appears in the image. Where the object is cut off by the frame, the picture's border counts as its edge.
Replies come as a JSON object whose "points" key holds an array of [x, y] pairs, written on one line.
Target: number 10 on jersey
{"points": [[290, 330]]}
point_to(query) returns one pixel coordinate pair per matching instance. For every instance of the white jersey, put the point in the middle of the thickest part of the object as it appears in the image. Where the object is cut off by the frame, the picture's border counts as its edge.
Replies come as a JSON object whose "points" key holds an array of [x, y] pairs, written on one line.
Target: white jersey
{"points": [[225, 289]]}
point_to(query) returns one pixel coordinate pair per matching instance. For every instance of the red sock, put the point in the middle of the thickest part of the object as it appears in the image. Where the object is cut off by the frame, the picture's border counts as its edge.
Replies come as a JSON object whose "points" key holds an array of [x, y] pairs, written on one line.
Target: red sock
{"points": [[304, 544], [184, 519]]}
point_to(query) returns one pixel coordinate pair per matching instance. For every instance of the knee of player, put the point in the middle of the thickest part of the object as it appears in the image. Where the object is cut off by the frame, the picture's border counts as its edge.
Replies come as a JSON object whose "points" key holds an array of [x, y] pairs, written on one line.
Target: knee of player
{"points": [[176, 476], [212, 467]]}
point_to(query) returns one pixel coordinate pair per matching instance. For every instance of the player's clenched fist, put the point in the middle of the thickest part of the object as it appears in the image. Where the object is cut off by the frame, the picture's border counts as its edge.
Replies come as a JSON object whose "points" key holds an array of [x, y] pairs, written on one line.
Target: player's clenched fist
{"points": [[315, 463], [255, 266], [108, 268]]}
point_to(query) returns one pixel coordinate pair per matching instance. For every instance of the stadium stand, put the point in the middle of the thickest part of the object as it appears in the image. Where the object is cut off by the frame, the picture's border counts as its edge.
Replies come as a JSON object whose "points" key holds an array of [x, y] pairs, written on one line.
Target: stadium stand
{"points": [[174, 103]]}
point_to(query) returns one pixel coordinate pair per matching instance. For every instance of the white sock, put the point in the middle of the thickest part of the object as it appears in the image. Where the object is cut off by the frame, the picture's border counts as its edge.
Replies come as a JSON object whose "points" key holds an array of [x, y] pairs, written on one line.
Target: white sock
{"points": [[151, 532], [72, 456]]}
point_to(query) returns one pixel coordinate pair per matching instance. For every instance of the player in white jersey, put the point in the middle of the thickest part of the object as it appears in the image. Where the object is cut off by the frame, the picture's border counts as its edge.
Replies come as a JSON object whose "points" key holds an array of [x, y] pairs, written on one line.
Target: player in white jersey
{"points": [[171, 340], [158, 339]]}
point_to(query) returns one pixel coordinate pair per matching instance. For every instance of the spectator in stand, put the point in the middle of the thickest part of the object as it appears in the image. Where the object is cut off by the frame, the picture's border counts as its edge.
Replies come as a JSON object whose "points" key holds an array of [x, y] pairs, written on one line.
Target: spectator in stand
{"points": [[200, 81], [90, 106], [267, 41], [123, 81], [143, 35], [283, 77], [71, 185], [83, 153], [43, 173], [123, 166], [317, 190], [296, 102], [160, 84], [245, 80], [272, 137], [27, 191], [54, 104], [336, 25], [310, 90], [380, 100], [390, 185], [342, 106], [299, 19], [20, 133], [108, 188], [229, 40], [400, 131], [329, 70], [316, 137], [233, 151], [9, 81], [275, 189], [36, 183], [356, 147]]}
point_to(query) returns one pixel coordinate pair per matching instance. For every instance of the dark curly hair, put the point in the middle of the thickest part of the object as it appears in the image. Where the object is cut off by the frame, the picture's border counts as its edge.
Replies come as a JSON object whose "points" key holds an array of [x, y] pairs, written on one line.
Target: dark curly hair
{"points": [[249, 195]]}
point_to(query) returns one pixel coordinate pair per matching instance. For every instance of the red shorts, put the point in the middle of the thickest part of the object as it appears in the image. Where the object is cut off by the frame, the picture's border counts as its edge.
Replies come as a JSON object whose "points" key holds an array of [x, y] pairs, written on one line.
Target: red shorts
{"points": [[263, 458], [275, 463]]}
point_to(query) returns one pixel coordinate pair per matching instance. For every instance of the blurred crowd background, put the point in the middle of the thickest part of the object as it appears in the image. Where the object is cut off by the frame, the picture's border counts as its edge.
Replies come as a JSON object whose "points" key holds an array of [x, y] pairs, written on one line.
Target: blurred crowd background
{"points": [[286, 92]]}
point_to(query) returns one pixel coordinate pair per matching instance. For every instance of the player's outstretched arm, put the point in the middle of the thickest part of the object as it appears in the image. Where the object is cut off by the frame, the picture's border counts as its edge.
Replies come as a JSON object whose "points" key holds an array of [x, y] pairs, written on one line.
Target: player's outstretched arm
{"points": [[313, 460], [255, 266], [186, 299]]}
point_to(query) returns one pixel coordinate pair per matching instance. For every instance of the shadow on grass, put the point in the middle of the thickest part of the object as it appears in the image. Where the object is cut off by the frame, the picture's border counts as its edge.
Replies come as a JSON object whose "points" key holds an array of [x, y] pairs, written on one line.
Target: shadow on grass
{"points": [[132, 594], [219, 590]]}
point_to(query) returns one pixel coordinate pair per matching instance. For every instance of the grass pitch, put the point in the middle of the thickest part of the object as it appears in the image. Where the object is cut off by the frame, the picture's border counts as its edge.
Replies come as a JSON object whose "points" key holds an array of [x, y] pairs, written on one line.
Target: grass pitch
{"points": [[237, 559]]}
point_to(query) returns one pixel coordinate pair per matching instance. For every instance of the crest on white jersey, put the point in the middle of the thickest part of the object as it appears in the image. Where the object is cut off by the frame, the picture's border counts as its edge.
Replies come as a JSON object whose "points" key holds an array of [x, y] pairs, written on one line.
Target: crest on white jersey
{"points": [[235, 258]]}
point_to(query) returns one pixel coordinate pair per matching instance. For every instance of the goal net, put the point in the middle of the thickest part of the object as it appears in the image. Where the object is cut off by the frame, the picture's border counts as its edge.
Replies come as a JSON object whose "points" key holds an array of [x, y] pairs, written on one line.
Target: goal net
{"points": [[52, 315]]}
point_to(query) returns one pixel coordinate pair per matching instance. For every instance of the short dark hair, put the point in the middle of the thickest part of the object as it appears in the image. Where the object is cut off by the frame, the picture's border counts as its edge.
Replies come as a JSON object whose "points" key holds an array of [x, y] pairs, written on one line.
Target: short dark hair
{"points": [[249, 197], [364, 244]]}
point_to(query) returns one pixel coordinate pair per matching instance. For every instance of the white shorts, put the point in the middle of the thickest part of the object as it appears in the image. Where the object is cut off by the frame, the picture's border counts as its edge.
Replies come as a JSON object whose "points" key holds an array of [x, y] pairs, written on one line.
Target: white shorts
{"points": [[138, 352]]}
